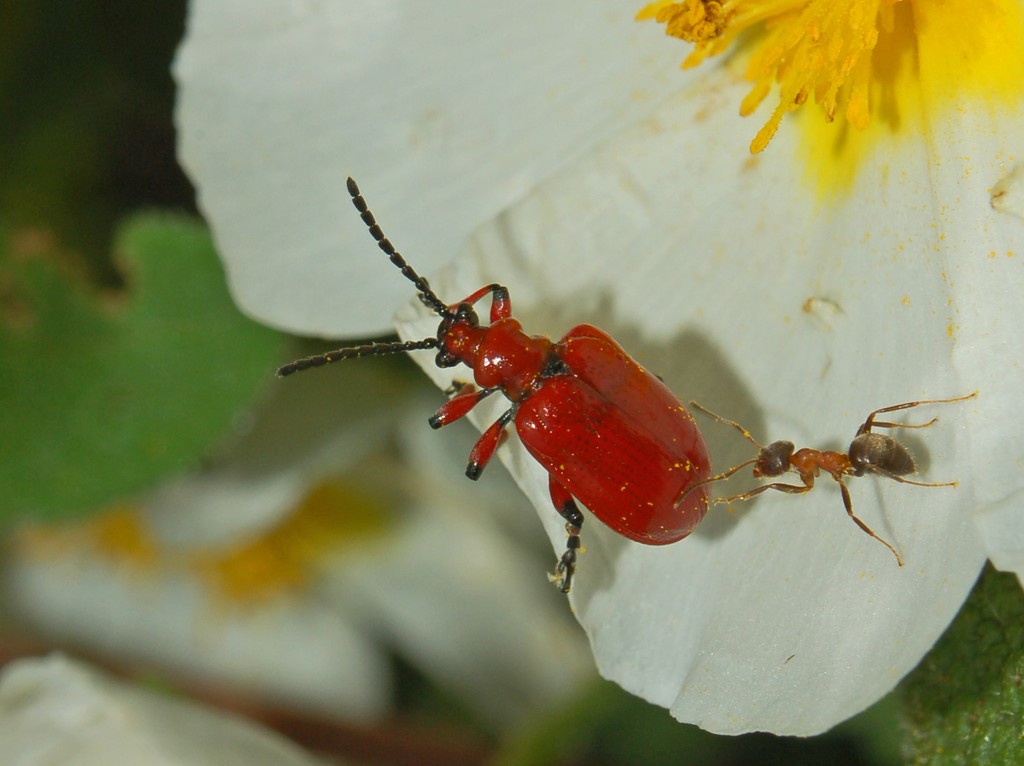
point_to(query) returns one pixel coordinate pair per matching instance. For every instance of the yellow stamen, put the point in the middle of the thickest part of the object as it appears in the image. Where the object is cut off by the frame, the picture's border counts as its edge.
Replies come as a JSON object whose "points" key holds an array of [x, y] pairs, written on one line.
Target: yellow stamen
{"points": [[840, 54]]}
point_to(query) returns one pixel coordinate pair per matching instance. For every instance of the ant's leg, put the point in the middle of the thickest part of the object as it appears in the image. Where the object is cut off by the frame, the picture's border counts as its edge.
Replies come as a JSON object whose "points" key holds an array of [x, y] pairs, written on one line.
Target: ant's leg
{"points": [[883, 424], [848, 504], [717, 477], [901, 480], [870, 422], [568, 510], [790, 489]]}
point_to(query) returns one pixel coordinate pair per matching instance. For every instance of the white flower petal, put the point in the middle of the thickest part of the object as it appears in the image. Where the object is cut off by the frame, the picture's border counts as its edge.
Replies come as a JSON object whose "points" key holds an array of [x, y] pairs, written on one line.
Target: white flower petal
{"points": [[1008, 192], [985, 243], [796, 319], [725, 275], [445, 112], [290, 651], [55, 710]]}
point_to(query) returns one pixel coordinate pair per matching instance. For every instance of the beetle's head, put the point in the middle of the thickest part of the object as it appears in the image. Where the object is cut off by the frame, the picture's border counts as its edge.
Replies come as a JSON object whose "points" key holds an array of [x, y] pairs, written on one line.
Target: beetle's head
{"points": [[458, 337]]}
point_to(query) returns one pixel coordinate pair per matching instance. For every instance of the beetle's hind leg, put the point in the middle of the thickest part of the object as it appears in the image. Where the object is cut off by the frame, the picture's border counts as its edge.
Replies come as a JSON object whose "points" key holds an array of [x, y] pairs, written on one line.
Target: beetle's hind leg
{"points": [[568, 510]]}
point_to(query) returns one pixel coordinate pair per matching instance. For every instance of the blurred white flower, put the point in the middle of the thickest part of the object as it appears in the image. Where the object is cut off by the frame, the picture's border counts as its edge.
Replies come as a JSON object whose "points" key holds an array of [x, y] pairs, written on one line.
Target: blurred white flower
{"points": [[283, 571], [55, 710], [856, 263]]}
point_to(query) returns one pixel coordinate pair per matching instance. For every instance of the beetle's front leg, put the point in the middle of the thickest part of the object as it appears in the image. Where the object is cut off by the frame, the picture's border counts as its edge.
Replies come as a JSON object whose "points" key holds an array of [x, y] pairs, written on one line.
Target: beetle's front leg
{"points": [[468, 397], [568, 510], [501, 304]]}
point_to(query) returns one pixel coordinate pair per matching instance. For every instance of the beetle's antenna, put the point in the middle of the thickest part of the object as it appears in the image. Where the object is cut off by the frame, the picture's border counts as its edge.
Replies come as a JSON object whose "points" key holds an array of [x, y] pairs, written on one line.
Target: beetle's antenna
{"points": [[370, 349], [426, 294]]}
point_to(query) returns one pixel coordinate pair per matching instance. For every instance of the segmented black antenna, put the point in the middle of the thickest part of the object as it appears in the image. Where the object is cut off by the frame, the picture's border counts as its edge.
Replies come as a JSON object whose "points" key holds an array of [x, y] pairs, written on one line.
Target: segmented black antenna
{"points": [[353, 352], [426, 294]]}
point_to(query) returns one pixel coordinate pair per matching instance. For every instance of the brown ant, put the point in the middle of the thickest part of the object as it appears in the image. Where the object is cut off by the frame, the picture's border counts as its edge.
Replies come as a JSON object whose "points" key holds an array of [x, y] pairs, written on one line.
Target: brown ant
{"points": [[869, 452]]}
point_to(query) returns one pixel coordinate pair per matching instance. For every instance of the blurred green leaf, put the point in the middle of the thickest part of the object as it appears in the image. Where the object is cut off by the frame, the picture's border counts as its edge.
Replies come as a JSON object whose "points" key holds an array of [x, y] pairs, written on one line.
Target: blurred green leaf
{"points": [[101, 395], [965, 701]]}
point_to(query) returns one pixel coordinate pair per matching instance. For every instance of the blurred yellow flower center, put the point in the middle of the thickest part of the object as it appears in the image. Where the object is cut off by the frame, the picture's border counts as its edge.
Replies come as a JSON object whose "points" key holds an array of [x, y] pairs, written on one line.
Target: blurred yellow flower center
{"points": [[117, 535], [285, 557], [843, 55], [332, 519]]}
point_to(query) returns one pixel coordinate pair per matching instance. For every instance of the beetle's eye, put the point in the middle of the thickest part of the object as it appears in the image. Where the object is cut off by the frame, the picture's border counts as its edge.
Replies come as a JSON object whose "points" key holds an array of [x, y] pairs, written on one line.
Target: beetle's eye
{"points": [[465, 313], [444, 359]]}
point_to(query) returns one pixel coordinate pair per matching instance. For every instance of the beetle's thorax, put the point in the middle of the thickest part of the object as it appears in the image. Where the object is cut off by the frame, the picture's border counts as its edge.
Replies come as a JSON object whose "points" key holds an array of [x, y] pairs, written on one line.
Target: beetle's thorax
{"points": [[501, 355]]}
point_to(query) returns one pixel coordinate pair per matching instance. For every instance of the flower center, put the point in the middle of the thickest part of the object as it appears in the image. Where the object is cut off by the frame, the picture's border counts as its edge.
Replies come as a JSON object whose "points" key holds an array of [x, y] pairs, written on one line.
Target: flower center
{"points": [[281, 560], [819, 49], [285, 558], [825, 50]]}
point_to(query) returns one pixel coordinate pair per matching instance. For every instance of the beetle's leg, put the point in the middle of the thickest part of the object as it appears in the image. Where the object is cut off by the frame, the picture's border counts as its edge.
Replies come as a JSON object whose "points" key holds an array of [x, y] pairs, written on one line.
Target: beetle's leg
{"points": [[568, 510], [468, 397], [485, 446], [848, 504], [501, 304]]}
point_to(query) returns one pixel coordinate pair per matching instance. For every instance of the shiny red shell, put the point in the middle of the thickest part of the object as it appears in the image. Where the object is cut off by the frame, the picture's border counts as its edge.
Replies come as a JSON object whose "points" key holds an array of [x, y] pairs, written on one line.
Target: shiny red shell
{"points": [[618, 440], [609, 433]]}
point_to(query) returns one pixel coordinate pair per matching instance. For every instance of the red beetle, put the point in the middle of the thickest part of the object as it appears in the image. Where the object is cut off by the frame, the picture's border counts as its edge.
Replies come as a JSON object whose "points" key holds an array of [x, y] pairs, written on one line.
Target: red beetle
{"points": [[609, 433]]}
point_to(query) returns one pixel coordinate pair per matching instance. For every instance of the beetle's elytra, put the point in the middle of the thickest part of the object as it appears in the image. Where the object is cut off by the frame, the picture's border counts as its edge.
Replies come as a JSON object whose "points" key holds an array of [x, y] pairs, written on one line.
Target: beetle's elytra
{"points": [[609, 433]]}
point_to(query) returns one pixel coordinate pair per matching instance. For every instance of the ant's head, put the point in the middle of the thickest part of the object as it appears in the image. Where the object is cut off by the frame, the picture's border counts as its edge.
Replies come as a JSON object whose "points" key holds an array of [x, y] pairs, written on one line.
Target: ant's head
{"points": [[773, 460]]}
